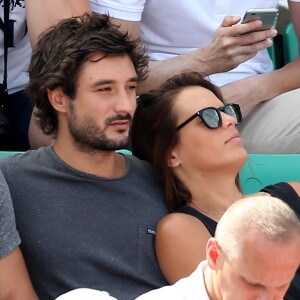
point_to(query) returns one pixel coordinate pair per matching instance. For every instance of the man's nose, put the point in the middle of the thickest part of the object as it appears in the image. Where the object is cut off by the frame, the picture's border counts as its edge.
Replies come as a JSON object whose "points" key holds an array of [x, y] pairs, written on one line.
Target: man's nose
{"points": [[125, 103]]}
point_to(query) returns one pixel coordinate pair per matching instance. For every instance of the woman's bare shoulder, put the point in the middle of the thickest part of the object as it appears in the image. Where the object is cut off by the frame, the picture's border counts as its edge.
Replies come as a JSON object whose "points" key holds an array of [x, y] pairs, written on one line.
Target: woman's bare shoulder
{"points": [[296, 186], [180, 222]]}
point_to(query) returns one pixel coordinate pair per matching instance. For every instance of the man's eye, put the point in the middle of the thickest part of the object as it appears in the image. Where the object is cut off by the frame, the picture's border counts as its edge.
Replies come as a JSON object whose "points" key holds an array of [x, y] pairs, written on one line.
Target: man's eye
{"points": [[104, 89], [131, 87]]}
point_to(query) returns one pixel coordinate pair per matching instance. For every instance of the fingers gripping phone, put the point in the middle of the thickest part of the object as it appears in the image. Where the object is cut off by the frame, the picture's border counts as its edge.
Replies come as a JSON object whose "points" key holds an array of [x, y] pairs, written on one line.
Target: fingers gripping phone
{"points": [[268, 16]]}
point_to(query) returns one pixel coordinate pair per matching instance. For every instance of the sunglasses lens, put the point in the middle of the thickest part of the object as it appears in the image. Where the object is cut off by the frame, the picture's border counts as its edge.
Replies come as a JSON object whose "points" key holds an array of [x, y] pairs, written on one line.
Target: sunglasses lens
{"points": [[234, 111], [211, 117]]}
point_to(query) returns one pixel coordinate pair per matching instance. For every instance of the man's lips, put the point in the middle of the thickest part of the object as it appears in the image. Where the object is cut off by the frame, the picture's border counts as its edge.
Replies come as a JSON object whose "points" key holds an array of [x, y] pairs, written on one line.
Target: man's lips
{"points": [[120, 124]]}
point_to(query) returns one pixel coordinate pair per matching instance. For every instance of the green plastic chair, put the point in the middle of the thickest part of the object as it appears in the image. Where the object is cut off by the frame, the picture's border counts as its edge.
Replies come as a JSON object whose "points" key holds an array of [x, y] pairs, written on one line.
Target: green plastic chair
{"points": [[285, 47], [124, 151], [290, 44], [276, 52], [261, 170], [3, 153]]}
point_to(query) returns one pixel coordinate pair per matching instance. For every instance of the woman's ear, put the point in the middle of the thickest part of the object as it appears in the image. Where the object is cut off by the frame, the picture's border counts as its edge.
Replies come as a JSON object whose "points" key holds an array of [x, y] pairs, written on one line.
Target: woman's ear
{"points": [[57, 99], [173, 160]]}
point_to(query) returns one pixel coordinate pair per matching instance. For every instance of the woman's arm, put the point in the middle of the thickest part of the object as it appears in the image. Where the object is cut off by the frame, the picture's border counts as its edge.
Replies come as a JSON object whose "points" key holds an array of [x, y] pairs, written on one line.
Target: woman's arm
{"points": [[180, 245]]}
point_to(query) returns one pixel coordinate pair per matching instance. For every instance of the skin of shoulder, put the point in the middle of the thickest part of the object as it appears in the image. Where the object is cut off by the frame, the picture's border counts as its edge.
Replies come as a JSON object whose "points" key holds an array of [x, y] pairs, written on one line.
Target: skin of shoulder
{"points": [[296, 186], [180, 245]]}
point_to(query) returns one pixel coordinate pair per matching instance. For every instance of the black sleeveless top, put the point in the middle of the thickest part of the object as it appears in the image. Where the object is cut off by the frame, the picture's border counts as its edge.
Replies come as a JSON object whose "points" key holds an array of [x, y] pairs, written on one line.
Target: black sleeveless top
{"points": [[208, 222], [281, 190]]}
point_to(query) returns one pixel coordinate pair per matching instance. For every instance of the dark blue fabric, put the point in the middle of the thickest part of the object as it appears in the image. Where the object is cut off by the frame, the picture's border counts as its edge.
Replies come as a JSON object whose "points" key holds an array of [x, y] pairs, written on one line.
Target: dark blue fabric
{"points": [[19, 110]]}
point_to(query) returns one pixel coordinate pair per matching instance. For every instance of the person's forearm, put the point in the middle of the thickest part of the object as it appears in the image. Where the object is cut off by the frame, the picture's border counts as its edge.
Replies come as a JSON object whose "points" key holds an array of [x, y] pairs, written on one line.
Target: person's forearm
{"points": [[250, 91], [282, 80], [217, 57], [160, 71], [231, 45], [40, 15]]}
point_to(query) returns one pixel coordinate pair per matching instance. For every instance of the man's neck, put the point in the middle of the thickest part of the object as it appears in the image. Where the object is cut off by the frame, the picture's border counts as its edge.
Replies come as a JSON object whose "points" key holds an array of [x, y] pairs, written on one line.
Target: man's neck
{"points": [[106, 164], [210, 283]]}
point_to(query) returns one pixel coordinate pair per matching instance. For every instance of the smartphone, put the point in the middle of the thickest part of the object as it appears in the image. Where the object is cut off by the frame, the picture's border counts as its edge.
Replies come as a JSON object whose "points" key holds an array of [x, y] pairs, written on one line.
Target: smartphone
{"points": [[268, 16]]}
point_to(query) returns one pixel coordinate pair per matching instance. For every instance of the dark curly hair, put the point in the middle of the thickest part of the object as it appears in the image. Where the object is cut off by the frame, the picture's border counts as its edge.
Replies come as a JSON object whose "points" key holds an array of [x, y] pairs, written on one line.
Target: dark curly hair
{"points": [[64, 48], [154, 134]]}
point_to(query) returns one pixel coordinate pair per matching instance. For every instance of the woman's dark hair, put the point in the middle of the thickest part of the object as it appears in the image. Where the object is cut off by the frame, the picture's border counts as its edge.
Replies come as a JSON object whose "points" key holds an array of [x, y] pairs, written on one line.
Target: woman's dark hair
{"points": [[154, 134], [63, 49]]}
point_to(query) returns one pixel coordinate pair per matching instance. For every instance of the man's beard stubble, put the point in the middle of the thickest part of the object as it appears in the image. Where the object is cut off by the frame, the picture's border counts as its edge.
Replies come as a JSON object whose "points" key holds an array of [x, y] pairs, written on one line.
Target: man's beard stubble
{"points": [[89, 137]]}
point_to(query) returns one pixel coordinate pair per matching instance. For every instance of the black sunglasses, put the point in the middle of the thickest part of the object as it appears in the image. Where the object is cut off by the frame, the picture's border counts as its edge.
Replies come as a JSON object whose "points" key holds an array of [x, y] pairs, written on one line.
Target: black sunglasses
{"points": [[211, 116]]}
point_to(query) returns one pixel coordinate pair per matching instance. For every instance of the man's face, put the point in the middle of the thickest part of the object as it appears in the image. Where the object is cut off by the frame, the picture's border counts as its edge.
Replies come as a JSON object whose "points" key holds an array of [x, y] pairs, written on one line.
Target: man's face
{"points": [[100, 115], [262, 271]]}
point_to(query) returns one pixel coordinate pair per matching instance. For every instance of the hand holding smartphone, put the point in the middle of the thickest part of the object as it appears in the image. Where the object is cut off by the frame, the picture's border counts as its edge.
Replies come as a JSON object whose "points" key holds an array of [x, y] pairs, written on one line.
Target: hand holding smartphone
{"points": [[268, 16]]}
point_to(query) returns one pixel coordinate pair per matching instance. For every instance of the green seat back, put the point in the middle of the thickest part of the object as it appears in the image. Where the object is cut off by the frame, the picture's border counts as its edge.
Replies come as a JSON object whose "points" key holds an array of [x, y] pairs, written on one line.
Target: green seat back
{"points": [[276, 52], [3, 153], [261, 170], [290, 44], [124, 151]]}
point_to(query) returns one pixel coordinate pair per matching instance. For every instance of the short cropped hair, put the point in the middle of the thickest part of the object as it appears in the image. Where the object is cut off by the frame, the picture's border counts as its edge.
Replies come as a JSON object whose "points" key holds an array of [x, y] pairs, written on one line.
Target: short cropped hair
{"points": [[269, 215], [64, 48]]}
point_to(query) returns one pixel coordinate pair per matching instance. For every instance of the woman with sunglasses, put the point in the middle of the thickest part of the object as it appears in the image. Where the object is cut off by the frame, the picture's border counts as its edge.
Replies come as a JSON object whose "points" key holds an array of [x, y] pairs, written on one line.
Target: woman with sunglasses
{"points": [[184, 129]]}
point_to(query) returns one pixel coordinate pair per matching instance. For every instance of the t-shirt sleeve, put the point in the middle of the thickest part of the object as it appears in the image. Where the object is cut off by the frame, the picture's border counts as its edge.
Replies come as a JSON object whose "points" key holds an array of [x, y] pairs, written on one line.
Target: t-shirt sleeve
{"points": [[9, 236], [286, 193], [129, 10]]}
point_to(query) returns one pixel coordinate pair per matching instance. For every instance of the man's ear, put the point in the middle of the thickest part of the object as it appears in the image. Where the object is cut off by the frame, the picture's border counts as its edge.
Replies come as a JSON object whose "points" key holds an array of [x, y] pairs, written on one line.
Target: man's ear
{"points": [[212, 253], [173, 160], [57, 99]]}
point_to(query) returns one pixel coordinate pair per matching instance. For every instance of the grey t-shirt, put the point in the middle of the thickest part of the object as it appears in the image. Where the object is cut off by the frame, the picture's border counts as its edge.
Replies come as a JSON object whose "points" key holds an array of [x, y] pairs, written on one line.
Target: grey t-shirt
{"points": [[81, 230], [9, 237]]}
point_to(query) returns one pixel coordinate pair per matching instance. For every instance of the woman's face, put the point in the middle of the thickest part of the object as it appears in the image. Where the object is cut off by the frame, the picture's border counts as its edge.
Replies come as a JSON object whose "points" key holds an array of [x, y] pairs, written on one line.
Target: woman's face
{"points": [[199, 147]]}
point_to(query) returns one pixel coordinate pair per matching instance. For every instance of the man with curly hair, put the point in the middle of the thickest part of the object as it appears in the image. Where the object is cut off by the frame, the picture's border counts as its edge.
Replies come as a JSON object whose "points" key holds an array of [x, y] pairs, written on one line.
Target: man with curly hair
{"points": [[86, 214]]}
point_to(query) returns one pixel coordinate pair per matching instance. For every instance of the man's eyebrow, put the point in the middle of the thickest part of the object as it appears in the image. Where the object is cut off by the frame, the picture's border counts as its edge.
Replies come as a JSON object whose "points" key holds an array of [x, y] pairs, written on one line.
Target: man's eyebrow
{"points": [[285, 284], [109, 81], [102, 82], [257, 284], [134, 79]]}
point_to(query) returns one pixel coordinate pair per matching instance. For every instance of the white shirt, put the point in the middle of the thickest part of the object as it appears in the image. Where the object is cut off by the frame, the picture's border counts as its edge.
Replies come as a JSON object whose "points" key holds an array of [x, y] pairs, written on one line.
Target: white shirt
{"points": [[171, 28], [86, 294], [19, 55], [189, 288]]}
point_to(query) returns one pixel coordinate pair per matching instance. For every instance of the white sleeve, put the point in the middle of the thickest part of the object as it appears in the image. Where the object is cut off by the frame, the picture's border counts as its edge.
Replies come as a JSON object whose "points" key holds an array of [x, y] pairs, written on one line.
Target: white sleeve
{"points": [[129, 10], [86, 294]]}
